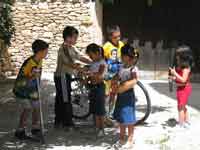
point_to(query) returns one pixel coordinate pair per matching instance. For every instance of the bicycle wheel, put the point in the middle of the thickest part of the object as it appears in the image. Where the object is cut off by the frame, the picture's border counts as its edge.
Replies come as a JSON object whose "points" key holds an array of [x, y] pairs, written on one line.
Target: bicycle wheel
{"points": [[142, 104], [80, 100]]}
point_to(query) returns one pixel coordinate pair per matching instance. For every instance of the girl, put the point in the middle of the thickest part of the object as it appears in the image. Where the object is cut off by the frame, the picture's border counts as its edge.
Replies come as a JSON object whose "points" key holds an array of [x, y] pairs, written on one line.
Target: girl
{"points": [[124, 111], [181, 74], [97, 88]]}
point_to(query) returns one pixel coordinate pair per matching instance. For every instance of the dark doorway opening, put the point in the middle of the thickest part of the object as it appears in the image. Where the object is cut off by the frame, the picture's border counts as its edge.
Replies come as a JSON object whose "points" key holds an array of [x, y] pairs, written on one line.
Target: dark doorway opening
{"points": [[176, 20], [168, 20]]}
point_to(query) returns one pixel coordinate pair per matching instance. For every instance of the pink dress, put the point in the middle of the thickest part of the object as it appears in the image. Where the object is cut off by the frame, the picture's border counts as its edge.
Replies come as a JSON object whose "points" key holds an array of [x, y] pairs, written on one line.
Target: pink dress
{"points": [[183, 92]]}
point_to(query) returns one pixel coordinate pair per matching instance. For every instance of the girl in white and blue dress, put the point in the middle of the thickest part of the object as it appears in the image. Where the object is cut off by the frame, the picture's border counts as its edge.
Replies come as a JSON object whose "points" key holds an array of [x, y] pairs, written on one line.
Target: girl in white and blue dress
{"points": [[126, 79]]}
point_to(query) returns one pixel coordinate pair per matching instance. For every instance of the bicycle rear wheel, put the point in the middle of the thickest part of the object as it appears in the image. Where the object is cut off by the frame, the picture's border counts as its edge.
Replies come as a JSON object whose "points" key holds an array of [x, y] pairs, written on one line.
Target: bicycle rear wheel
{"points": [[142, 104], [80, 99]]}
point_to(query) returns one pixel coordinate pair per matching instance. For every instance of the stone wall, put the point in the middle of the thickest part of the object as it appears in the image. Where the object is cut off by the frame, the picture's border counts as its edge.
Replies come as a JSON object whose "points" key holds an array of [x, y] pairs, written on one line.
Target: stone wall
{"points": [[46, 20]]}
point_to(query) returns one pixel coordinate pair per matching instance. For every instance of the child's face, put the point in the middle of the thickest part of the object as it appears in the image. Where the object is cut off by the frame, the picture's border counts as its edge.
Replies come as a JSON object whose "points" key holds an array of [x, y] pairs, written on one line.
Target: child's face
{"points": [[43, 53], [115, 37], [128, 60], [94, 56], [71, 40]]}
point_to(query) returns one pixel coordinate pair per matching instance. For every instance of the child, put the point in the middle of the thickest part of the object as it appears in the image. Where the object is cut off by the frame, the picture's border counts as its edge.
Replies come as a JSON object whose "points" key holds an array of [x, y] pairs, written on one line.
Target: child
{"points": [[66, 67], [124, 111], [97, 89], [26, 90], [181, 74], [113, 65], [112, 55]]}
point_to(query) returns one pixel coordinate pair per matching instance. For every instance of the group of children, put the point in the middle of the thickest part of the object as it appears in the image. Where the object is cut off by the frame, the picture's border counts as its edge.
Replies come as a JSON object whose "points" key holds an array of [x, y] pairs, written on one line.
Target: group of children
{"points": [[112, 75]]}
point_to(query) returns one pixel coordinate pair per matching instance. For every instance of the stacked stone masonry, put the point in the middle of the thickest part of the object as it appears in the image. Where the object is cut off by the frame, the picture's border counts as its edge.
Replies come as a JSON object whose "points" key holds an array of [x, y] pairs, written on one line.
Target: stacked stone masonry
{"points": [[46, 20]]}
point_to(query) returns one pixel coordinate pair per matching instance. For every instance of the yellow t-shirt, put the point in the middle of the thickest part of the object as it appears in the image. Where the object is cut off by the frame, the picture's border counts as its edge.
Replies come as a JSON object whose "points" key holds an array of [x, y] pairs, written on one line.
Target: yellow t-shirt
{"points": [[26, 83], [109, 48]]}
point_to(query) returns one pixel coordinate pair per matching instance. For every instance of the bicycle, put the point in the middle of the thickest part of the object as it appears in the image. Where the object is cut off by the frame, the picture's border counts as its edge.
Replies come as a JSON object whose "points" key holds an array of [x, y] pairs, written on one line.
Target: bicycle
{"points": [[81, 103]]}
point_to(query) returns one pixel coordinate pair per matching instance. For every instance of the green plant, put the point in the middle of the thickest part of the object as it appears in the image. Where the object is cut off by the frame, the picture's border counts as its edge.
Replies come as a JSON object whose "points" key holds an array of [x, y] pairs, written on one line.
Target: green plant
{"points": [[6, 22]]}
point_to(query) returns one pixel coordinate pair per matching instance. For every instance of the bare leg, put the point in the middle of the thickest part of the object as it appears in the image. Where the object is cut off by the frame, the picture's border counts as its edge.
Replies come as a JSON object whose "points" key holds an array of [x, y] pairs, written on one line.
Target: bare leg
{"points": [[23, 118], [130, 133], [186, 116], [98, 122], [101, 120], [35, 118], [122, 134], [181, 115]]}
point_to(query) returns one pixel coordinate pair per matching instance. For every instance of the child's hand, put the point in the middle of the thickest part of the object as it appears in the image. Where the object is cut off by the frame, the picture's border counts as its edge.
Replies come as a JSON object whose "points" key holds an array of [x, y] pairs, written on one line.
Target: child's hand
{"points": [[76, 66], [172, 71]]}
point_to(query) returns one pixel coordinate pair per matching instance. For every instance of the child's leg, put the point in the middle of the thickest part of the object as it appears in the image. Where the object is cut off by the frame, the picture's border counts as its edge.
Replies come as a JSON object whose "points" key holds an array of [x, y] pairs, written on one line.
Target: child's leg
{"points": [[181, 116], [23, 118], [98, 121], [101, 121], [122, 134], [35, 118], [130, 133], [186, 117]]}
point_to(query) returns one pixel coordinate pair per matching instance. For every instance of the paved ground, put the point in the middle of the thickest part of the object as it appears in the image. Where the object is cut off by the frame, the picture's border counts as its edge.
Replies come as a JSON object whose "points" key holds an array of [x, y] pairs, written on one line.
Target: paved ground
{"points": [[159, 132]]}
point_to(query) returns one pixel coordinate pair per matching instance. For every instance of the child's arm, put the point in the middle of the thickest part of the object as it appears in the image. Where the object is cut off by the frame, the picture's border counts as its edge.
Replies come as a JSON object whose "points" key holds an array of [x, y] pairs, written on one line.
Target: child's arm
{"points": [[81, 56], [182, 78], [125, 86], [97, 77], [129, 84]]}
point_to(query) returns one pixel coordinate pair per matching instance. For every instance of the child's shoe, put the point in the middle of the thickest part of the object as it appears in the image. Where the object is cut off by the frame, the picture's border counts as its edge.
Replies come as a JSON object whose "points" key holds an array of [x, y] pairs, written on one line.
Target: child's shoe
{"points": [[100, 133], [128, 145], [36, 132], [118, 145], [21, 134]]}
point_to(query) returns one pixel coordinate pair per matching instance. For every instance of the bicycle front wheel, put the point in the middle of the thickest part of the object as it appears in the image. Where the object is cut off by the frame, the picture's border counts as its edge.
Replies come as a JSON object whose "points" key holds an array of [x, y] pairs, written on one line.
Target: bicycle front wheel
{"points": [[80, 99]]}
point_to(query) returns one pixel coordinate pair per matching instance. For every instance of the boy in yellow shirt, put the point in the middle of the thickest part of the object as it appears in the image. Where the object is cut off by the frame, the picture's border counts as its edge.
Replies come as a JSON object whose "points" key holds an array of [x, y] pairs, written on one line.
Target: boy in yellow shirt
{"points": [[26, 89]]}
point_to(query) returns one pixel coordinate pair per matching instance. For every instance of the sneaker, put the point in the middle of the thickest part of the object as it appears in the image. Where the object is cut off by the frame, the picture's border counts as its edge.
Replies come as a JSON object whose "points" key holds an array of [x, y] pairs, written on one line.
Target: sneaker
{"points": [[128, 145], [21, 134], [108, 122], [118, 145], [36, 131], [100, 133], [179, 127], [186, 125]]}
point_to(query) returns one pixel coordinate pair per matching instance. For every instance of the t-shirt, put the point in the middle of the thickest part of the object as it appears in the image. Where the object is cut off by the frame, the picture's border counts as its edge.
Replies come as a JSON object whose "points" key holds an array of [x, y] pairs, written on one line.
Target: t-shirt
{"points": [[94, 67], [26, 82], [66, 57], [109, 48], [129, 73]]}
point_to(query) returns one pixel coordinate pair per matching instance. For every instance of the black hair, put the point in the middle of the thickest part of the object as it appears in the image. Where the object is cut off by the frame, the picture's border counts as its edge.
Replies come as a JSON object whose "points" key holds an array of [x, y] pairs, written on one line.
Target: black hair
{"points": [[39, 45], [69, 31], [94, 48], [185, 55], [112, 28], [128, 50]]}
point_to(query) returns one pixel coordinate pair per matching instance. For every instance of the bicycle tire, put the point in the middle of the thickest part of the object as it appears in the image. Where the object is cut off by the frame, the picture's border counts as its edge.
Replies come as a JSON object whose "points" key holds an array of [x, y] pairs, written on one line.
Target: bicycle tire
{"points": [[148, 103], [82, 114]]}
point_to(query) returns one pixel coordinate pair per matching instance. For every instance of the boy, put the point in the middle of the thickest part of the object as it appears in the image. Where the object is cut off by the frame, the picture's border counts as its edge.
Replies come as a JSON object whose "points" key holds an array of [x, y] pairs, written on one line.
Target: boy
{"points": [[26, 90], [112, 54], [66, 66]]}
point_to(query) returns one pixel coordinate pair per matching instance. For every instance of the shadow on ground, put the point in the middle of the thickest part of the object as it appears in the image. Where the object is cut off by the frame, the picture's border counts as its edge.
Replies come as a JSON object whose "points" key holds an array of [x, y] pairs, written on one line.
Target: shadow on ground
{"points": [[83, 135], [163, 88]]}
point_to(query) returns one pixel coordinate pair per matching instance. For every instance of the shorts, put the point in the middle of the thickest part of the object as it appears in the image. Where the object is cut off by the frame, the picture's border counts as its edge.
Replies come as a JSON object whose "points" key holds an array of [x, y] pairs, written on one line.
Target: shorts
{"points": [[28, 104], [107, 87], [182, 95], [97, 100]]}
